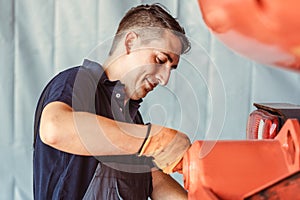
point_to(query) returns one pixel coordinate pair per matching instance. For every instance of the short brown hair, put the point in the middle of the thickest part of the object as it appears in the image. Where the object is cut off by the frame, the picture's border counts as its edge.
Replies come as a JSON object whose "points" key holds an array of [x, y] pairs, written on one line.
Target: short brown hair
{"points": [[151, 16]]}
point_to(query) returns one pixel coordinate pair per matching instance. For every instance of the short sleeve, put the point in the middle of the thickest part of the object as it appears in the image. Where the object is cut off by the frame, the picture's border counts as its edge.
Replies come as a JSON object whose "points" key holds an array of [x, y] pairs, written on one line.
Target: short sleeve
{"points": [[76, 87]]}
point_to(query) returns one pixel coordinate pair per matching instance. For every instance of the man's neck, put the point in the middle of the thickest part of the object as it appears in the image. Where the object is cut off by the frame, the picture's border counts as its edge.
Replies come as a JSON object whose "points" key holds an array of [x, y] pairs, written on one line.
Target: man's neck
{"points": [[114, 69]]}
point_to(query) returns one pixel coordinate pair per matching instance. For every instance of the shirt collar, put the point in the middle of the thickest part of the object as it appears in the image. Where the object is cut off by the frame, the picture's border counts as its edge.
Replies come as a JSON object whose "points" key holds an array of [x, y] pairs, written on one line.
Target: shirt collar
{"points": [[104, 79], [98, 69]]}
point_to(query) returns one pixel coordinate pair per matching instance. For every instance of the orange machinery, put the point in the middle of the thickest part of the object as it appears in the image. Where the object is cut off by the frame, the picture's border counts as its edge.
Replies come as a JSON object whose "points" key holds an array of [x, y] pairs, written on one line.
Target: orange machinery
{"points": [[266, 30], [247, 169]]}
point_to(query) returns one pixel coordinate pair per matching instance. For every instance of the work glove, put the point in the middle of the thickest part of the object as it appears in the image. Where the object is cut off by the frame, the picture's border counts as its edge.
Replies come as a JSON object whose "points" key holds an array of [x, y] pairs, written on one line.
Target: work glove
{"points": [[166, 146]]}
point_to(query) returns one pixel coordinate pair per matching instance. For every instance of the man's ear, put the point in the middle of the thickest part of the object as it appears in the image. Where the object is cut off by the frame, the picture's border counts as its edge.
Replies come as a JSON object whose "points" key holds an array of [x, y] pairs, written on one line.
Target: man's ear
{"points": [[130, 40]]}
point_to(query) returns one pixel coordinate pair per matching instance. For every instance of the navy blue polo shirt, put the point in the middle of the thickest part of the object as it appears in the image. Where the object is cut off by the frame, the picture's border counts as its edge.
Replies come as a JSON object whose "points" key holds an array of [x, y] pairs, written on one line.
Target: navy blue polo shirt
{"points": [[60, 175]]}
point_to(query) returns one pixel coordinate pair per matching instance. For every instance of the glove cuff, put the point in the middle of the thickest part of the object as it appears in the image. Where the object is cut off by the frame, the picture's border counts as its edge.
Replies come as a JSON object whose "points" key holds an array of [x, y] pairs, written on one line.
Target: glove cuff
{"points": [[146, 141]]}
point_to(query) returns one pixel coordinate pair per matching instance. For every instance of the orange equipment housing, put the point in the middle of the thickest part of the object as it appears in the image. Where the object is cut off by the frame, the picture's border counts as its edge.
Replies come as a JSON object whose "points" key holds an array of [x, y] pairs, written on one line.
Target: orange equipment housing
{"points": [[267, 31], [237, 169]]}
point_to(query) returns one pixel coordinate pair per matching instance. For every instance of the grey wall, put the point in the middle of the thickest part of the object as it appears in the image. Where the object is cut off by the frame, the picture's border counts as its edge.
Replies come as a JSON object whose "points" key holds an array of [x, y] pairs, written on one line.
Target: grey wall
{"points": [[209, 96]]}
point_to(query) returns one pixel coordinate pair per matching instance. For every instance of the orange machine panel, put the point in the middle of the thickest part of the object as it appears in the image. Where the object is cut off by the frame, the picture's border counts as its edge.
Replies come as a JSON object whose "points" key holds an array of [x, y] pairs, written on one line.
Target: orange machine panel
{"points": [[235, 169]]}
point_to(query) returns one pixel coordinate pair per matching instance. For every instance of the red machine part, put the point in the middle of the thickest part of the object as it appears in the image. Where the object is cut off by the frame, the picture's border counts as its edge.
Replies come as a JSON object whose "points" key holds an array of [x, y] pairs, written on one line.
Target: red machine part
{"points": [[262, 125], [267, 31], [236, 169]]}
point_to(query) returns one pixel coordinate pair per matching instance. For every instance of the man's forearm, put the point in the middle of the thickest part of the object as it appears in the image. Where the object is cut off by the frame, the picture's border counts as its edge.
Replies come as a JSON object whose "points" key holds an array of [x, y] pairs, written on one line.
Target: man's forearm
{"points": [[83, 133]]}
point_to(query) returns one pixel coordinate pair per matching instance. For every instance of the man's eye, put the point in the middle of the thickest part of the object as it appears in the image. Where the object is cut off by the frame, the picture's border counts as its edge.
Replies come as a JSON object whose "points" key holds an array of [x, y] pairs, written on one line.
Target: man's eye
{"points": [[159, 61]]}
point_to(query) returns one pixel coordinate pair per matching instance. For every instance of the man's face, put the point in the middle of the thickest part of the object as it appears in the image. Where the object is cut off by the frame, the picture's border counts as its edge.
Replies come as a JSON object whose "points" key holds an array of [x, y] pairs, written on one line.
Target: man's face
{"points": [[150, 65]]}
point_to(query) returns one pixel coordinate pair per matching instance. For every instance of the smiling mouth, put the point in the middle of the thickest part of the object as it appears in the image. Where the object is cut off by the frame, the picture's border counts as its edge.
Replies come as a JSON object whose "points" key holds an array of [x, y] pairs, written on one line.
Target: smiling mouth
{"points": [[149, 86]]}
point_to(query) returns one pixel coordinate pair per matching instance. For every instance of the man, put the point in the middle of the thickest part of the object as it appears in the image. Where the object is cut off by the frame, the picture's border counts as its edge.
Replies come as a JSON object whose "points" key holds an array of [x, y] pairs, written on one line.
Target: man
{"points": [[90, 140]]}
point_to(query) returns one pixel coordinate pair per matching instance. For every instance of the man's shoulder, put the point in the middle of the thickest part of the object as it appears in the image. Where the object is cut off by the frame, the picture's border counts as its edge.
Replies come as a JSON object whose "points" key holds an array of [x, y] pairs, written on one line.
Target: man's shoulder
{"points": [[77, 72], [89, 69], [71, 71]]}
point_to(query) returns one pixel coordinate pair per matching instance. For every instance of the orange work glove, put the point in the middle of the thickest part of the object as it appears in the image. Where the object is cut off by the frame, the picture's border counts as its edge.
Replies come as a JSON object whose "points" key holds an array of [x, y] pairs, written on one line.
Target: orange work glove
{"points": [[166, 146]]}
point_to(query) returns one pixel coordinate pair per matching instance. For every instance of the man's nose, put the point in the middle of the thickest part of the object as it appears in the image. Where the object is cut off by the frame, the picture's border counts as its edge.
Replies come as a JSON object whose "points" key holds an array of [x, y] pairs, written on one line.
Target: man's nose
{"points": [[163, 75]]}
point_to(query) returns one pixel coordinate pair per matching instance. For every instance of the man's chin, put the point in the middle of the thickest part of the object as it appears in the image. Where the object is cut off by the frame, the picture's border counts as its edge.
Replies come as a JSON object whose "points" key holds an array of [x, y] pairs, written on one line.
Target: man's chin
{"points": [[139, 96]]}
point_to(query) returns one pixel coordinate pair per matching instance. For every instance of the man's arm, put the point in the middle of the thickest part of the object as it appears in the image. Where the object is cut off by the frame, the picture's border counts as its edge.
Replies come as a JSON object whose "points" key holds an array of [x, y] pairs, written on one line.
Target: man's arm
{"points": [[165, 187], [83, 133]]}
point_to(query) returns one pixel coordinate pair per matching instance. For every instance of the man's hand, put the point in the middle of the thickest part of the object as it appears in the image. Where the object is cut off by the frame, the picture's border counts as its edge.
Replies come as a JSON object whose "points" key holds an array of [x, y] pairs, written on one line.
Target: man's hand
{"points": [[167, 147]]}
